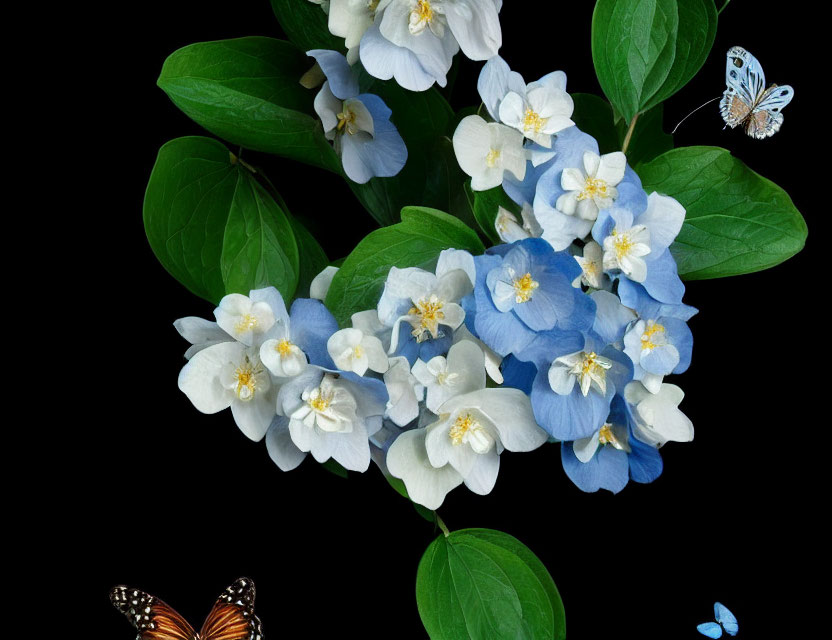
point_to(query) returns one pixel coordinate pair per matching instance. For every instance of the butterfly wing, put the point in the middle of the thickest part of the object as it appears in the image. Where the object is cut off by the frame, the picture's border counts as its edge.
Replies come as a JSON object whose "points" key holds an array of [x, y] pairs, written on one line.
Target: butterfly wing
{"points": [[726, 618], [232, 617], [710, 629], [152, 618], [745, 82], [765, 118]]}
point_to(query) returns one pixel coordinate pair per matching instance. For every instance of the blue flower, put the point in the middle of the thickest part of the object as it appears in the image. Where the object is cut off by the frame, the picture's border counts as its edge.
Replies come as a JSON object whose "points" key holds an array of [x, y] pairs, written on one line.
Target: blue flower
{"points": [[526, 290], [359, 124], [635, 296], [658, 347], [611, 456], [636, 245]]}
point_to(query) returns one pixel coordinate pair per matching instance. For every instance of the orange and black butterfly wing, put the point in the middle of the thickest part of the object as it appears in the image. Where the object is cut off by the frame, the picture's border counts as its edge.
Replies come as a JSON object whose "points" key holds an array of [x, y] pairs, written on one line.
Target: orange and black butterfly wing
{"points": [[232, 617], [152, 618]]}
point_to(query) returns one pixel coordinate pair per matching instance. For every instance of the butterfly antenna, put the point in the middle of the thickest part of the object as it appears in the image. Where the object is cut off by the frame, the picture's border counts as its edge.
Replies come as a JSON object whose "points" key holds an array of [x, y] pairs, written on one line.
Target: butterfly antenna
{"points": [[694, 111]]}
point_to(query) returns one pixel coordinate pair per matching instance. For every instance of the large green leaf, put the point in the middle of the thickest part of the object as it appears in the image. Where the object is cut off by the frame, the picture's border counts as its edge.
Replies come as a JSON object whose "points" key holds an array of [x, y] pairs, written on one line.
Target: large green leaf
{"points": [[305, 24], [697, 30], [213, 226], [736, 222], [633, 49], [485, 584], [247, 92], [594, 116], [416, 241]]}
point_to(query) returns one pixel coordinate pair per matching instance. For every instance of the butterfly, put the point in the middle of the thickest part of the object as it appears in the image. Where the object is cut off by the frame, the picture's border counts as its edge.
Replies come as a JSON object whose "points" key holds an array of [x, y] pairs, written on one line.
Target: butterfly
{"points": [[231, 618], [746, 102], [725, 618]]}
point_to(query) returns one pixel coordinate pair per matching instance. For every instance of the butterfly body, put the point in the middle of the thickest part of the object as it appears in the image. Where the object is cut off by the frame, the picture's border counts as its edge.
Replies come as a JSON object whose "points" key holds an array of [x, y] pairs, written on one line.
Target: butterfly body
{"points": [[232, 616], [746, 101]]}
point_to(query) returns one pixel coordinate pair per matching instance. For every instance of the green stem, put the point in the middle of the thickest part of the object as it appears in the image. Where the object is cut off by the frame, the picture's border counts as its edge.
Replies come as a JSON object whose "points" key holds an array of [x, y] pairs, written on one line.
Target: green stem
{"points": [[629, 135], [723, 7], [441, 524]]}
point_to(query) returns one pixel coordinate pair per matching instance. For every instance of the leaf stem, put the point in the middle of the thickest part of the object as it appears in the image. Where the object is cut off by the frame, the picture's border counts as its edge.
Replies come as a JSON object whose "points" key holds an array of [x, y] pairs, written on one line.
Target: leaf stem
{"points": [[629, 135], [723, 7], [441, 524]]}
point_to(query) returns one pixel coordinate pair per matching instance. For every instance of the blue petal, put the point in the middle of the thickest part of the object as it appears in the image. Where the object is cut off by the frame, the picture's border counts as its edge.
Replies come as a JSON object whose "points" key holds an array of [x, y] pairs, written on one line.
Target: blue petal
{"points": [[660, 360], [607, 469], [518, 374], [663, 282], [631, 195], [568, 417], [645, 461], [381, 156], [569, 147], [611, 317], [679, 334], [311, 325], [635, 296], [343, 81], [548, 345]]}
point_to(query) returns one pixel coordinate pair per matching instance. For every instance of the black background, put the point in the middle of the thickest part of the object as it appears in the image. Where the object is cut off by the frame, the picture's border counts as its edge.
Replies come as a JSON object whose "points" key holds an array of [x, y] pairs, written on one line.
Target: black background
{"points": [[180, 504]]}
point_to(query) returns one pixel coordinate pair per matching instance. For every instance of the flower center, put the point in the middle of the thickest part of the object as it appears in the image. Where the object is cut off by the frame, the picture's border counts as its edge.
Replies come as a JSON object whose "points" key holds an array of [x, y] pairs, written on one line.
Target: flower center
{"points": [[420, 17], [246, 377], [653, 336], [246, 323], [607, 436], [284, 348], [533, 122], [427, 315], [467, 430], [593, 188], [346, 121], [622, 244], [357, 351], [492, 157], [319, 400], [524, 288], [592, 368], [372, 5]]}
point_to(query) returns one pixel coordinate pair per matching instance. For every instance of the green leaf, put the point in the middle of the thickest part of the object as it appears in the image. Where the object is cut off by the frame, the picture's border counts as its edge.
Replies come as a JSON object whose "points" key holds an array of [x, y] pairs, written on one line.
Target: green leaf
{"points": [[485, 584], [695, 37], [335, 468], [737, 221], [594, 116], [414, 242], [486, 204], [633, 48], [313, 259], [213, 226], [305, 24], [431, 176], [247, 92]]}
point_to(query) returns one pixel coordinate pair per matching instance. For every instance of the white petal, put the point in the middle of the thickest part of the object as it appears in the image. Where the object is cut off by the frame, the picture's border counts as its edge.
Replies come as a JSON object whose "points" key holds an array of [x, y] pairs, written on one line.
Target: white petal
{"points": [[585, 448], [407, 459], [254, 416], [611, 168], [375, 353], [321, 283], [482, 478], [201, 378]]}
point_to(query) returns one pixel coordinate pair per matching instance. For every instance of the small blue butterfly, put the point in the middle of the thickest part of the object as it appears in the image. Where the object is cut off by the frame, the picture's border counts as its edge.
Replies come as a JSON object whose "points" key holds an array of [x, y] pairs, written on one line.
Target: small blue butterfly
{"points": [[724, 618]]}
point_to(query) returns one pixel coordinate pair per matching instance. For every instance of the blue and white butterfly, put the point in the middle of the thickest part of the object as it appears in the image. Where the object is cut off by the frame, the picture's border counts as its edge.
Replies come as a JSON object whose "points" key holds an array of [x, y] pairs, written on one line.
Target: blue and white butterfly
{"points": [[724, 619], [746, 102]]}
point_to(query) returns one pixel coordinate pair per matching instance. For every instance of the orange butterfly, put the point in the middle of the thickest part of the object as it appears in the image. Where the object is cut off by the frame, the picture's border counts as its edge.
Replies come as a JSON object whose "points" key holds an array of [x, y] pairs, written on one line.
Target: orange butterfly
{"points": [[231, 618]]}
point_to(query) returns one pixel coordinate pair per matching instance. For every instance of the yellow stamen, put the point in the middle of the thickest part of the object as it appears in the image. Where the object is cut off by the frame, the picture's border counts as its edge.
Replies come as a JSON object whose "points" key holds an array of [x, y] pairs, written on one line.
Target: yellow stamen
{"points": [[430, 313], [357, 351], [346, 120], [319, 401], [460, 427], [605, 436], [652, 329], [621, 243], [284, 348], [524, 288], [423, 11], [492, 157], [246, 323], [594, 187], [533, 122], [246, 381]]}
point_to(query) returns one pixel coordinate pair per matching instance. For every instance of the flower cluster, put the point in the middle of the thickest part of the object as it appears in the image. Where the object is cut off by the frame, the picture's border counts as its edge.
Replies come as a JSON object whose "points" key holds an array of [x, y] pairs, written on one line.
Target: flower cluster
{"points": [[563, 333]]}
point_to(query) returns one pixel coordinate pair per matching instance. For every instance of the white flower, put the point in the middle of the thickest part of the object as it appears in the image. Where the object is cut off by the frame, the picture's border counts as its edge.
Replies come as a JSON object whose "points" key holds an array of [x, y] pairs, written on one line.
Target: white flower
{"points": [[200, 333], [351, 350], [461, 372], [657, 415], [508, 228], [330, 417], [486, 150], [229, 374], [404, 392], [280, 355], [320, 284], [408, 459], [474, 428], [592, 267], [593, 188], [611, 434], [588, 369], [624, 249], [541, 110], [492, 358], [425, 300], [350, 19], [245, 319]]}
